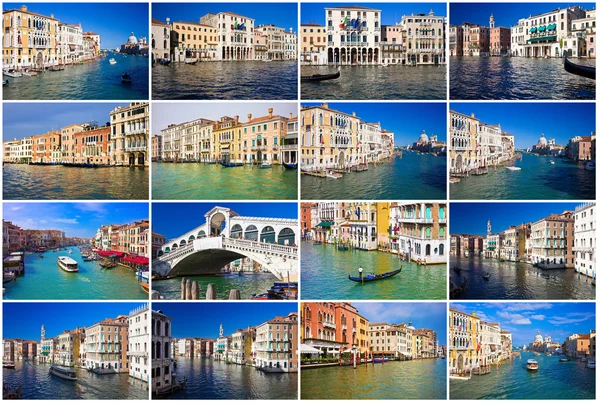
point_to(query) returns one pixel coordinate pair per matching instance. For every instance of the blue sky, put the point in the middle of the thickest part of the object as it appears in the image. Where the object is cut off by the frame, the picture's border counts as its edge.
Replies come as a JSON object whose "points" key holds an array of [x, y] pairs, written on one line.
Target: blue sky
{"points": [[114, 22], [505, 14], [472, 218], [527, 121], [56, 317], [391, 13], [406, 120], [422, 315], [524, 320], [17, 122], [202, 320], [190, 215], [283, 15], [75, 219]]}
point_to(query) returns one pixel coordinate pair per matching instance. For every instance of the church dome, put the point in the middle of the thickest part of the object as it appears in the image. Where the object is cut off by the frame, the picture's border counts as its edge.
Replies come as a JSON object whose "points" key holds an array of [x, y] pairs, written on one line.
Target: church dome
{"points": [[132, 40], [542, 140], [423, 138], [538, 338]]}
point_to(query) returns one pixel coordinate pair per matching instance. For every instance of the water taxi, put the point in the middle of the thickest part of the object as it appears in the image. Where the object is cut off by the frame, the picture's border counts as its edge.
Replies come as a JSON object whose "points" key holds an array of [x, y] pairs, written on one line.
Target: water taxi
{"points": [[563, 360], [112, 61], [513, 168], [11, 73], [532, 364], [591, 364], [68, 264], [8, 364], [63, 373]]}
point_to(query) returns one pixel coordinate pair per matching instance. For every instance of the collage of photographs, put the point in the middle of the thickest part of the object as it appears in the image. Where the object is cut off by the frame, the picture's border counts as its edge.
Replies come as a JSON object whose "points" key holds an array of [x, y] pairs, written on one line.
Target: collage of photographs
{"points": [[298, 200]]}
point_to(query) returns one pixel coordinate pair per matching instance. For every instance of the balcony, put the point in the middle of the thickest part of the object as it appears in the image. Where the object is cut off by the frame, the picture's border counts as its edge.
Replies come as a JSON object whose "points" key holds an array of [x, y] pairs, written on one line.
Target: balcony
{"points": [[415, 220], [443, 220], [259, 147], [289, 147], [327, 324], [135, 148], [135, 132]]}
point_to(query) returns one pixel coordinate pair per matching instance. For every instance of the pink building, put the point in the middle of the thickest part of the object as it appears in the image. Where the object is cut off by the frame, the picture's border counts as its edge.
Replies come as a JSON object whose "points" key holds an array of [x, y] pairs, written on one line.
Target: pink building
{"points": [[499, 41]]}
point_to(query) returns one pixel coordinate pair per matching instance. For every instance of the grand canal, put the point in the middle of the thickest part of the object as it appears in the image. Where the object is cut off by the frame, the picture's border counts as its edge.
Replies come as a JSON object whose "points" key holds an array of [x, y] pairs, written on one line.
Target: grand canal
{"points": [[414, 176], [518, 280], [325, 273], [538, 179], [226, 81], [215, 380], [517, 78], [377, 83], [212, 181], [22, 181], [38, 384], [553, 381], [247, 284], [96, 80], [44, 280], [408, 380]]}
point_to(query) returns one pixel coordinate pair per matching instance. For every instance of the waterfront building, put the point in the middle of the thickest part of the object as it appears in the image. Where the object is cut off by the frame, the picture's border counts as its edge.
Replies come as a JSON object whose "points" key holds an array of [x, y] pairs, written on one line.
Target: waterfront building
{"points": [[276, 344], [424, 38], [275, 41], [46, 351], [359, 225], [290, 45], [13, 238], [158, 240], [499, 39], [163, 376], [70, 43], [455, 40], [463, 342], [185, 347], [156, 148], [393, 50], [318, 327], [241, 345], [587, 27], [67, 141], [235, 35], [419, 231], [130, 134], [137, 335], [92, 42], [455, 245], [584, 247], [353, 329], [430, 348], [506, 341], [578, 345], [161, 39], [223, 345], [134, 46], [314, 42], [68, 351], [429, 144], [491, 343], [552, 241], [306, 222], [476, 39], [192, 41], [395, 340], [262, 138], [289, 143], [92, 146], [203, 347], [514, 239], [579, 148], [8, 351], [463, 144], [46, 147], [519, 36], [106, 344]]}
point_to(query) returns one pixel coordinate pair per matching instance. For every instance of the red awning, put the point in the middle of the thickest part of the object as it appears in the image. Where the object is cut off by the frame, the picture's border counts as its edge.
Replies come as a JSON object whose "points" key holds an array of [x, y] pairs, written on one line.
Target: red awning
{"points": [[137, 260], [108, 253]]}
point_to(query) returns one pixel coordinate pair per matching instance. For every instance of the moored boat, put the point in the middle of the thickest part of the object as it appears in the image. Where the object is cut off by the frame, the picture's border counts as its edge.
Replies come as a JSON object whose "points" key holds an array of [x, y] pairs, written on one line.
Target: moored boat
{"points": [[64, 373], [225, 164], [590, 166], [334, 175], [580, 70], [591, 364], [320, 77], [265, 165], [290, 166], [532, 364], [563, 360], [68, 264], [8, 364], [11, 73], [373, 277]]}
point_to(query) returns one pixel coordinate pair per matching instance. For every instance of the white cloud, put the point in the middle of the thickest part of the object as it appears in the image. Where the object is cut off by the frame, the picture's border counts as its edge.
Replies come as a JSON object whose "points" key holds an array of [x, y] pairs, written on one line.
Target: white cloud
{"points": [[539, 317], [514, 318], [572, 319], [67, 221]]}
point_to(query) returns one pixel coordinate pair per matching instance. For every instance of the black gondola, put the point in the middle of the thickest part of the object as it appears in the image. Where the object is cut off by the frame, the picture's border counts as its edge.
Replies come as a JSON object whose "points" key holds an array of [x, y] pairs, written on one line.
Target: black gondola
{"points": [[290, 166], [320, 77], [224, 164], [487, 277], [456, 269], [126, 78], [584, 71], [371, 278]]}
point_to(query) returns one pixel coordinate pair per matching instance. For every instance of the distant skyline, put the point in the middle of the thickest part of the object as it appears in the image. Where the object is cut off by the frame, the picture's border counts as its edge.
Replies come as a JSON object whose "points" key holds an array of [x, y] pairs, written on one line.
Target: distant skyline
{"points": [[524, 320], [422, 315], [282, 15], [57, 317], [472, 218], [405, 120], [190, 215], [17, 122], [114, 22], [202, 320], [391, 13], [527, 121], [505, 14], [75, 219], [165, 114]]}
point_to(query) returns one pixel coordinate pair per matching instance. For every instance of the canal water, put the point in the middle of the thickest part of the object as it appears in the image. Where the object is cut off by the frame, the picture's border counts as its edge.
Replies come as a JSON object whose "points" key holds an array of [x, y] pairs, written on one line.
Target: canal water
{"points": [[517, 78], [518, 280], [38, 384], [213, 181], [45, 280], [377, 83], [226, 81], [554, 380], [538, 179], [247, 284], [22, 181], [325, 273], [408, 380], [96, 80], [414, 176], [215, 380]]}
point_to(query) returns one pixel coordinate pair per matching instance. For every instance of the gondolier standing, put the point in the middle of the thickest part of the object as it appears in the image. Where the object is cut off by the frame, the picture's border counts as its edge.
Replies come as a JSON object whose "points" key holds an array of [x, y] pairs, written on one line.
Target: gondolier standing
{"points": [[360, 274]]}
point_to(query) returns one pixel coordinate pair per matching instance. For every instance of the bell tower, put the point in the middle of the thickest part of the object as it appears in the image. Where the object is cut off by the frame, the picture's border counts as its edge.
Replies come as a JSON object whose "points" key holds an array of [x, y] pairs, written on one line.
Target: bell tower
{"points": [[489, 228], [492, 21]]}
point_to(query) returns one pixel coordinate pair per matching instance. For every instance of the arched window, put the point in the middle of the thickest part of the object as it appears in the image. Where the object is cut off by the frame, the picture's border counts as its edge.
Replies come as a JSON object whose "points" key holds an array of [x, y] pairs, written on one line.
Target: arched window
{"points": [[428, 232], [236, 231], [441, 249], [251, 233], [267, 235], [286, 237], [201, 234]]}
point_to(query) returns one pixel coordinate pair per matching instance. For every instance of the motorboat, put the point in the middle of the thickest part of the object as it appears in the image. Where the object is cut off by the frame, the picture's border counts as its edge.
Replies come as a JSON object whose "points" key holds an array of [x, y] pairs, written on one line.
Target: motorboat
{"points": [[4, 82], [487, 276], [591, 364], [590, 166], [532, 364], [68, 264], [63, 373], [27, 72], [513, 168], [265, 165], [563, 360], [8, 276], [536, 354], [70, 251], [11, 73], [551, 161], [335, 176], [126, 78], [8, 364], [112, 61]]}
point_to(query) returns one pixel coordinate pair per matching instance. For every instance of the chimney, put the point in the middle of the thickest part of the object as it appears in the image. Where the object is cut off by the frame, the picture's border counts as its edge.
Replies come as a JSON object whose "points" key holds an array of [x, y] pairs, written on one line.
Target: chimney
{"points": [[270, 112], [23, 8], [249, 117], [472, 115], [353, 113], [168, 20], [52, 16], [237, 119], [325, 105], [291, 115]]}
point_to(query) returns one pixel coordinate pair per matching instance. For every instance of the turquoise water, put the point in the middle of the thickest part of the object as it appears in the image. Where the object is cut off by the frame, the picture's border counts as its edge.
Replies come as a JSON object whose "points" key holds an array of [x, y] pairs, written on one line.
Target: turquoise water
{"points": [[325, 270], [213, 181], [408, 380], [538, 179], [414, 176], [44, 280], [554, 380], [96, 80]]}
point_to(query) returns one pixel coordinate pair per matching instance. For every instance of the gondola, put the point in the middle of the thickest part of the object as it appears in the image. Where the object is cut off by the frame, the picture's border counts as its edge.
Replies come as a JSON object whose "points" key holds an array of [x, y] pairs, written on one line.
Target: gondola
{"points": [[585, 71], [487, 277], [290, 166], [371, 278], [126, 78], [456, 269], [226, 164], [320, 77]]}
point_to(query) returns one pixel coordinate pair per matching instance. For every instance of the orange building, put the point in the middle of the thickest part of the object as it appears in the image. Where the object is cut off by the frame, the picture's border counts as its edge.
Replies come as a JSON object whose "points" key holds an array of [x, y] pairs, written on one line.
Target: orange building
{"points": [[46, 147], [352, 329], [305, 218], [93, 146]]}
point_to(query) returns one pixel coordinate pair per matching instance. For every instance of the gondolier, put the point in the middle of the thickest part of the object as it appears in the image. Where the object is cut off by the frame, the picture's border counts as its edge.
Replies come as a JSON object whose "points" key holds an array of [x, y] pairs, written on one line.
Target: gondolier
{"points": [[360, 271]]}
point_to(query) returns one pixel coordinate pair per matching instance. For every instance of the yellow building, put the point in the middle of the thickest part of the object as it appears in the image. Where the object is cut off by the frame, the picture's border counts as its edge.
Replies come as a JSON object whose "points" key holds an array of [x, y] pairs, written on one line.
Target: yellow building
{"points": [[191, 40], [463, 345], [313, 39], [383, 223], [29, 40], [226, 135], [462, 147]]}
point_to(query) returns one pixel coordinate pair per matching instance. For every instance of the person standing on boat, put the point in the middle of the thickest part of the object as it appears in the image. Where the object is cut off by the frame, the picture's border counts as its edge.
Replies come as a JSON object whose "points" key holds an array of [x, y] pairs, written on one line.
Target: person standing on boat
{"points": [[360, 271]]}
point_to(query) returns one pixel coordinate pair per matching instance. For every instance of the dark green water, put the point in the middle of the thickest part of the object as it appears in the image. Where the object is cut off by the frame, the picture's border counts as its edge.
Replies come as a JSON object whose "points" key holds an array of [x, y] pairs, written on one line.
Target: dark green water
{"points": [[408, 380], [215, 182], [554, 380], [325, 273]]}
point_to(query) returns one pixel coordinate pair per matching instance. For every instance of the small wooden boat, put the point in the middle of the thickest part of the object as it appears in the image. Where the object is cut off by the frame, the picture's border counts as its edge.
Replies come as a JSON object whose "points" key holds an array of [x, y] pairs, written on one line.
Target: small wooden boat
{"points": [[380, 360], [456, 269], [224, 164], [126, 78], [320, 77], [145, 286], [487, 277], [532, 364], [265, 165], [563, 360], [371, 278], [290, 166], [584, 71]]}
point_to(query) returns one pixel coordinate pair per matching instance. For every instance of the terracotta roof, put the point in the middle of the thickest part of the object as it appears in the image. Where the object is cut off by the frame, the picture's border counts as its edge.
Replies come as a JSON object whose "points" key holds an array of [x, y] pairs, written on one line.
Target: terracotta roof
{"points": [[193, 23], [354, 7]]}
